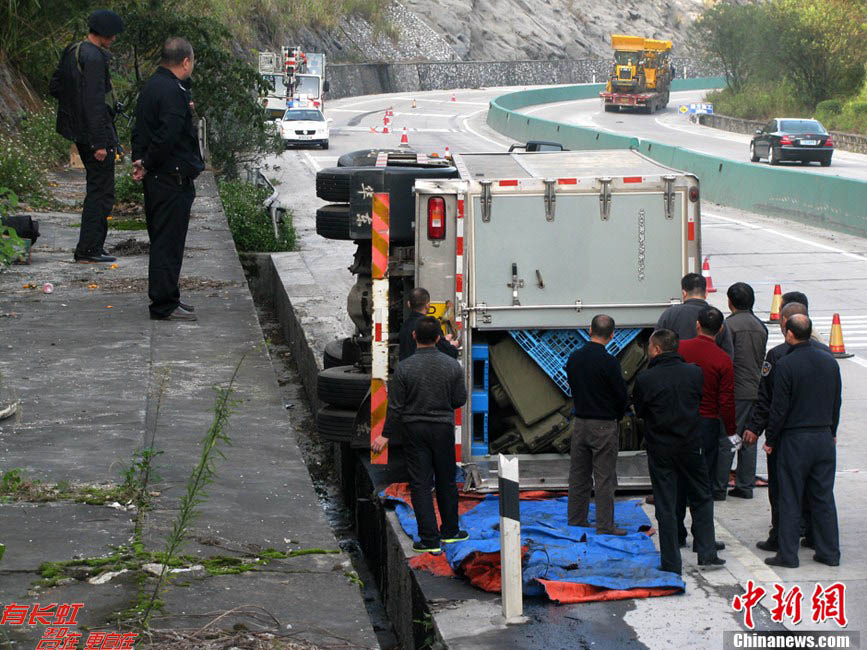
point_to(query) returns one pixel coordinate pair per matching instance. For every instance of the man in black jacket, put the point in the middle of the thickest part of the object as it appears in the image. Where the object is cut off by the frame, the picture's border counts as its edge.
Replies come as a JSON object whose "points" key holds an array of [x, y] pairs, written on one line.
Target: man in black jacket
{"points": [[166, 156], [682, 318], [85, 114], [667, 395], [600, 398], [802, 429], [427, 388]]}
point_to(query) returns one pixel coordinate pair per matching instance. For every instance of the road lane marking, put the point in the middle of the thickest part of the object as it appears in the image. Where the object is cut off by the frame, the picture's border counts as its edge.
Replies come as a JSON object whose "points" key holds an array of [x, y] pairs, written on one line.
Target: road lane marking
{"points": [[801, 240], [311, 161], [467, 127]]}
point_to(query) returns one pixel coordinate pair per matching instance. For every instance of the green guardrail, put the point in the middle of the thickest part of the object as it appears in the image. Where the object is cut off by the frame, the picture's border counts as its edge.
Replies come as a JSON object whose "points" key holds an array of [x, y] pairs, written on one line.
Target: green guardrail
{"points": [[817, 199]]}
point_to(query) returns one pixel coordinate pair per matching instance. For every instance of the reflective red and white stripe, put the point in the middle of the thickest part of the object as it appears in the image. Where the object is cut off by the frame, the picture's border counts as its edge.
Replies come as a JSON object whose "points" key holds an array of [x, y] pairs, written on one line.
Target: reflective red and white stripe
{"points": [[458, 306]]}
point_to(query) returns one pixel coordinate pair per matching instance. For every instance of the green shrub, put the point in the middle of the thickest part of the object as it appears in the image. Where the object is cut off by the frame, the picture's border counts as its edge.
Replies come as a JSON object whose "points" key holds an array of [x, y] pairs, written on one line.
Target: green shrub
{"points": [[11, 245], [250, 221], [126, 190], [37, 131], [20, 170], [829, 107], [858, 108]]}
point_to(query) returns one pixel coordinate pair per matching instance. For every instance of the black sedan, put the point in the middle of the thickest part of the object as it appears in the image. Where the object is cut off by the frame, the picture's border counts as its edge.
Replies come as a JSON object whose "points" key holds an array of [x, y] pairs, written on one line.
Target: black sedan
{"points": [[792, 139]]}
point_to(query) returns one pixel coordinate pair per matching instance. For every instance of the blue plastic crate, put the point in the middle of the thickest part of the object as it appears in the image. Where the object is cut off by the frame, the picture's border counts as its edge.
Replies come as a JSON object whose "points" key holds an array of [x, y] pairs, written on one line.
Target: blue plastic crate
{"points": [[551, 348], [480, 434]]}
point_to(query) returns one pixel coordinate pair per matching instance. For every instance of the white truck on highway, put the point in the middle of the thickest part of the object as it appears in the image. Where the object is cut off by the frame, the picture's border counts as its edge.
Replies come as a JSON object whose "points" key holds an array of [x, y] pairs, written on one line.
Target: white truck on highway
{"points": [[519, 251]]}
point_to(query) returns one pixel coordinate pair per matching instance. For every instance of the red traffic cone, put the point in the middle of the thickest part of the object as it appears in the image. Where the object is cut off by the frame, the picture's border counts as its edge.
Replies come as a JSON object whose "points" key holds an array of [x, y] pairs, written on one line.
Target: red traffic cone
{"points": [[705, 271], [836, 343], [776, 303], [447, 154], [385, 122], [404, 140], [453, 98]]}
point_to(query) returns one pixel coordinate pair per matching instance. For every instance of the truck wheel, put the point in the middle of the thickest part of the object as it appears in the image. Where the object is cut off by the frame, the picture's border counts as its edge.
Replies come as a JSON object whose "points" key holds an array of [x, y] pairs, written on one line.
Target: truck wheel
{"points": [[332, 184], [333, 355], [332, 222], [325, 144], [363, 157], [342, 386], [335, 425]]}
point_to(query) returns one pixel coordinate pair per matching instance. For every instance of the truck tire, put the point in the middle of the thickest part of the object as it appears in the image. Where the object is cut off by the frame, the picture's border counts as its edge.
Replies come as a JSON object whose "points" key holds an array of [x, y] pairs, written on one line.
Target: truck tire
{"points": [[333, 354], [363, 157], [332, 184], [334, 424], [332, 222], [342, 386]]}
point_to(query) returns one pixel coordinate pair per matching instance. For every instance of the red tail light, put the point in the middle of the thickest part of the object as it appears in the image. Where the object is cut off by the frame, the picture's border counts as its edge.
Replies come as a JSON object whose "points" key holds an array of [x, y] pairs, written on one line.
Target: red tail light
{"points": [[829, 142], [785, 140], [436, 218], [693, 194]]}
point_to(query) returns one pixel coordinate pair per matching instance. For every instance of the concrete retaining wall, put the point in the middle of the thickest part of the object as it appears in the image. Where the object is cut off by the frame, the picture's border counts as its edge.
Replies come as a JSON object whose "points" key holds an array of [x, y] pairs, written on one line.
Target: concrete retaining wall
{"points": [[353, 79], [844, 141], [825, 201]]}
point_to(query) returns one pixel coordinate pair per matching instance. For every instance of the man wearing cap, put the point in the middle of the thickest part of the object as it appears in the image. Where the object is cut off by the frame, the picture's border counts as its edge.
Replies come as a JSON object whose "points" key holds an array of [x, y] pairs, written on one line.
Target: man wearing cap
{"points": [[85, 114], [166, 157]]}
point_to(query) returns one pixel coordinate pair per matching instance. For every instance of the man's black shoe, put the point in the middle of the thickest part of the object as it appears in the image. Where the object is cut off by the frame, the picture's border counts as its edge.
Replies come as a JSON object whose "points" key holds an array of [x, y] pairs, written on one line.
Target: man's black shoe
{"points": [[461, 536], [768, 545], [740, 494], [420, 547], [93, 259], [776, 561], [186, 306], [822, 560], [712, 562], [178, 314], [720, 546]]}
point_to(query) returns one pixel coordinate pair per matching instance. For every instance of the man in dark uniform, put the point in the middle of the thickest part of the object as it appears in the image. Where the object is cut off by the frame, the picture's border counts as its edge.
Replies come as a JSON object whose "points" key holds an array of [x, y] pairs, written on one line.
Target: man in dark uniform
{"points": [[759, 422], [166, 156], [802, 429], [681, 318], [667, 395], [419, 304], [85, 114]]}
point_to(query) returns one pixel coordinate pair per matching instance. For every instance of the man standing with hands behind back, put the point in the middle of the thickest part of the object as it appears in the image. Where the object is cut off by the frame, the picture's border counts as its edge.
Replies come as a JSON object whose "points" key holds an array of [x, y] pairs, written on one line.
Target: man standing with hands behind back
{"points": [[166, 157]]}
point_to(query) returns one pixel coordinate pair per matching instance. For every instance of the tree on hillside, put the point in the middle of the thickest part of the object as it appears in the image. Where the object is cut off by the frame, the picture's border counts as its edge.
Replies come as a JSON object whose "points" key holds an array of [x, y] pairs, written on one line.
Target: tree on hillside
{"points": [[731, 36], [820, 47]]}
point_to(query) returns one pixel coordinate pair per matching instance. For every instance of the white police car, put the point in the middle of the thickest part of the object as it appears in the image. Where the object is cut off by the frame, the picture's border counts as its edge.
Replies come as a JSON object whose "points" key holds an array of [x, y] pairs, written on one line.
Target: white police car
{"points": [[304, 126]]}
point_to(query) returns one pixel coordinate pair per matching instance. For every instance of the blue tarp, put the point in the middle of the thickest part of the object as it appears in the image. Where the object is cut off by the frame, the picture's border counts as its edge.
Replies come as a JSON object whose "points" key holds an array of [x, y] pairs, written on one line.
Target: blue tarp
{"points": [[559, 552]]}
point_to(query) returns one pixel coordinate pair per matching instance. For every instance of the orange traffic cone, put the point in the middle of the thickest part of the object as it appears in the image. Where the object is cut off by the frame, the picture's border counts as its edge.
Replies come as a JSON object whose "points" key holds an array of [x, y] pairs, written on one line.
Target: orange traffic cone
{"points": [[705, 271], [385, 122], [453, 98], [836, 344], [404, 140], [413, 103], [446, 154], [775, 305]]}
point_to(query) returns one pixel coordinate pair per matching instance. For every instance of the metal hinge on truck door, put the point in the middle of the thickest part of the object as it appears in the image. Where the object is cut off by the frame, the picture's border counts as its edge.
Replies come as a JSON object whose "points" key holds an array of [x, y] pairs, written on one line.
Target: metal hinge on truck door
{"points": [[550, 198], [486, 200], [605, 198], [669, 196]]}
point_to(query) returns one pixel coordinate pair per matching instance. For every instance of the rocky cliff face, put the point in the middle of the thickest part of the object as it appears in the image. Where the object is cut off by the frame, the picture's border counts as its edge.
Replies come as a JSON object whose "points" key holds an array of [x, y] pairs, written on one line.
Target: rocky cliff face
{"points": [[503, 30]]}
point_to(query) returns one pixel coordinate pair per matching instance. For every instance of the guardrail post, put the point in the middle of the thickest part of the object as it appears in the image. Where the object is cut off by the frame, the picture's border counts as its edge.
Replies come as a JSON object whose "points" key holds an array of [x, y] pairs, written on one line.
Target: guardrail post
{"points": [[510, 541]]}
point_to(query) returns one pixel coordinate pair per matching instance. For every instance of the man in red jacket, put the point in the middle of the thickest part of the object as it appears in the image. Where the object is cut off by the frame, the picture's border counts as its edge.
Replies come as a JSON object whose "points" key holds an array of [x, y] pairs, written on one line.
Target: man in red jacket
{"points": [[718, 396]]}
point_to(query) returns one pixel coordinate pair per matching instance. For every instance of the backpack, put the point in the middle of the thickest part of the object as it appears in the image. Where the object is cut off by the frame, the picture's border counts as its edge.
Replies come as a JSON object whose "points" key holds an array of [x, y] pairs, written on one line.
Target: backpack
{"points": [[24, 226]]}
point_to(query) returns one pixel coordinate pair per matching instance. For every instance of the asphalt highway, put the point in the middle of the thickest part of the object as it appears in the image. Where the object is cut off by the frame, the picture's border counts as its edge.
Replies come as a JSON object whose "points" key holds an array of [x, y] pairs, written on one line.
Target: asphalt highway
{"points": [[831, 268]]}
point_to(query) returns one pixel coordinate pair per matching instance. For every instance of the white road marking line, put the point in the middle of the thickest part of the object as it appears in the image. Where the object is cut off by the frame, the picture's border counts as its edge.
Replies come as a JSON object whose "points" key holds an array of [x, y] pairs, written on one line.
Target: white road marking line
{"points": [[801, 240], [311, 161], [467, 127], [392, 129], [859, 361], [396, 113]]}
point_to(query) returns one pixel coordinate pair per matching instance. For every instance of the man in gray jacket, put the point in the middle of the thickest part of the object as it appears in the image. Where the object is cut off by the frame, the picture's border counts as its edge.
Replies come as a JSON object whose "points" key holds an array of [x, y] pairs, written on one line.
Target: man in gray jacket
{"points": [[682, 318], [427, 388], [750, 338]]}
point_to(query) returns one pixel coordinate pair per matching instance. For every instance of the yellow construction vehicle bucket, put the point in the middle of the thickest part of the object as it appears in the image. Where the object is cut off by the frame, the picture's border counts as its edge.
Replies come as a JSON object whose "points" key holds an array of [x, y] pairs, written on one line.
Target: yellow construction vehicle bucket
{"points": [[627, 43], [658, 46]]}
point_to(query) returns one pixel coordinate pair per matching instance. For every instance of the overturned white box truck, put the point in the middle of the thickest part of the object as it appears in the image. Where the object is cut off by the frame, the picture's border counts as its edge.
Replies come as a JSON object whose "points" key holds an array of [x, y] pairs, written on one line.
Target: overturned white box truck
{"points": [[519, 251]]}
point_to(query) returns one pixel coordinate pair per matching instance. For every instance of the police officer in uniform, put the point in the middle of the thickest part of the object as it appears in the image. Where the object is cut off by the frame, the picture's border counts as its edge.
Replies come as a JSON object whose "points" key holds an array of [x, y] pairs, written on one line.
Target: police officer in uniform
{"points": [[166, 157], [802, 429], [759, 421], [86, 106]]}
